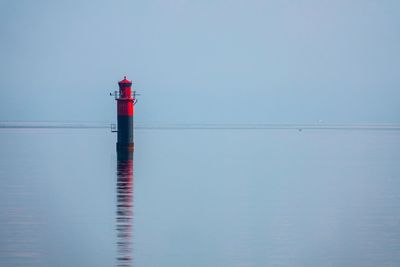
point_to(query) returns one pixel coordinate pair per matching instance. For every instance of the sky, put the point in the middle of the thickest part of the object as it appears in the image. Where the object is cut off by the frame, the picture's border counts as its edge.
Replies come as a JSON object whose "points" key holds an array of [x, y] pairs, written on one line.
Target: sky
{"points": [[202, 61]]}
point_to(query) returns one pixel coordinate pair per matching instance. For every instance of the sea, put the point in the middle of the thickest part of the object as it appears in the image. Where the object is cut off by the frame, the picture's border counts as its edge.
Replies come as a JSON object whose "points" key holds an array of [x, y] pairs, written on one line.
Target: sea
{"points": [[200, 196]]}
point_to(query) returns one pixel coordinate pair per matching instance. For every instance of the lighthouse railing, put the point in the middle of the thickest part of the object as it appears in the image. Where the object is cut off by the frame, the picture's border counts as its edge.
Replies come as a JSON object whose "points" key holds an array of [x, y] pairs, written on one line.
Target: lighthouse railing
{"points": [[117, 95]]}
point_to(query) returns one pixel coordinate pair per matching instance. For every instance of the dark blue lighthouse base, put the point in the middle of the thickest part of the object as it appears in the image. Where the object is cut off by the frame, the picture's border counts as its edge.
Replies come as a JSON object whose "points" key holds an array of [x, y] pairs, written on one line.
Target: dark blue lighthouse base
{"points": [[123, 155], [125, 133], [122, 147]]}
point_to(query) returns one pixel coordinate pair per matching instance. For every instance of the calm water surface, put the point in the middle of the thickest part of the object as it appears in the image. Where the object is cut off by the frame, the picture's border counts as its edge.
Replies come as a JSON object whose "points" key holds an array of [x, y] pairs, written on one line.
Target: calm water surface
{"points": [[200, 198]]}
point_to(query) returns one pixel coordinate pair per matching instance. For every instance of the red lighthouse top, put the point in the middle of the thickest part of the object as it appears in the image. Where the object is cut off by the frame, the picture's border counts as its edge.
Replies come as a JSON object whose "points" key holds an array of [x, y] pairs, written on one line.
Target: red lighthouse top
{"points": [[125, 90], [125, 98], [125, 82]]}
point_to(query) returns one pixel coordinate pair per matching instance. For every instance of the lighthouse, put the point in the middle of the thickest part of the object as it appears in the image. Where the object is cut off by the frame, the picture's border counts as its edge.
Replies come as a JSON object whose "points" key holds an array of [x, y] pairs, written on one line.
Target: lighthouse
{"points": [[126, 100]]}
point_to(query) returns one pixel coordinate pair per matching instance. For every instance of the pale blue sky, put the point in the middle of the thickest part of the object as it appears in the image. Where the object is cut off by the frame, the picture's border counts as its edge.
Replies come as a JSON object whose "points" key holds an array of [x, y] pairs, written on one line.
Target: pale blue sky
{"points": [[202, 61]]}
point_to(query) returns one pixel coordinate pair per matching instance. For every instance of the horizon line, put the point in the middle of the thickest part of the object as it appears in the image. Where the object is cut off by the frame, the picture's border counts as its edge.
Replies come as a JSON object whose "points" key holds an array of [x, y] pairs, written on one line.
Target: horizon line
{"points": [[188, 126]]}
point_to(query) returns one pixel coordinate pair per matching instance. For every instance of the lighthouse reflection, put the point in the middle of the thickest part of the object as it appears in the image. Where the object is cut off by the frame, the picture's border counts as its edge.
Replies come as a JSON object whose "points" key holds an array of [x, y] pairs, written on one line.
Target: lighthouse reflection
{"points": [[124, 211]]}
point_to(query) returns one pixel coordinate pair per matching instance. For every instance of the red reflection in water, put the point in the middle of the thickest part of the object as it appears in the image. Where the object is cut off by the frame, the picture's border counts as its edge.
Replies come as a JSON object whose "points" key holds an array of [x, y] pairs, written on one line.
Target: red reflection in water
{"points": [[124, 216]]}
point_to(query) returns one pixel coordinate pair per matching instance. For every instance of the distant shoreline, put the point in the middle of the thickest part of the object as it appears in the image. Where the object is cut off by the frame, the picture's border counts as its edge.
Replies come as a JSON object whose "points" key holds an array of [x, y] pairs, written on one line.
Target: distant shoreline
{"points": [[209, 126]]}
